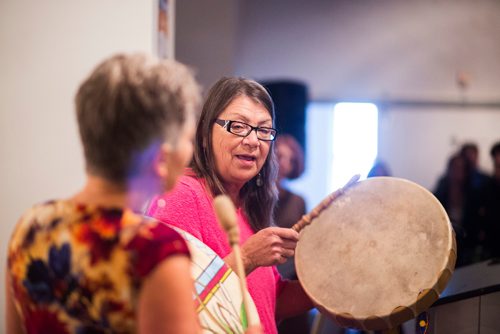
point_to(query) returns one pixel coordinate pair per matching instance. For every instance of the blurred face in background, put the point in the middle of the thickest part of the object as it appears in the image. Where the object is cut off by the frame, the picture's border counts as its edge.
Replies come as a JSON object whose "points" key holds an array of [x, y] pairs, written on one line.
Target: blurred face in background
{"points": [[285, 160], [457, 169], [472, 155], [495, 156]]}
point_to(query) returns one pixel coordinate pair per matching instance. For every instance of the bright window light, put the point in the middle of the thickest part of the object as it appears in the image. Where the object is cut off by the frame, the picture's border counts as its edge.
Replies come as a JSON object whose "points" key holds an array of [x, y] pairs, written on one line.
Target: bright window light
{"points": [[354, 139], [341, 141]]}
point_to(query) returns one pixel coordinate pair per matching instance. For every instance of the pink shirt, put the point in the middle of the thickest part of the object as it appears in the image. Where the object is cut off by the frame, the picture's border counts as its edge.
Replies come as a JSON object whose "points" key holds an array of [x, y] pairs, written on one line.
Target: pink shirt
{"points": [[189, 207]]}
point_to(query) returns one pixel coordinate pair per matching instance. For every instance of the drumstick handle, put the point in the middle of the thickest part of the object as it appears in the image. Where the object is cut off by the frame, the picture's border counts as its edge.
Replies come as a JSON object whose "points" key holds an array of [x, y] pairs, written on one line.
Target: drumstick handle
{"points": [[306, 219], [226, 213], [240, 270]]}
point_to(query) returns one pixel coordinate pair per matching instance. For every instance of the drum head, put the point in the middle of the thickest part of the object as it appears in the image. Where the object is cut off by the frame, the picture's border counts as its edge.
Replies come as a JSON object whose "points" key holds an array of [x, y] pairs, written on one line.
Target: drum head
{"points": [[380, 254]]}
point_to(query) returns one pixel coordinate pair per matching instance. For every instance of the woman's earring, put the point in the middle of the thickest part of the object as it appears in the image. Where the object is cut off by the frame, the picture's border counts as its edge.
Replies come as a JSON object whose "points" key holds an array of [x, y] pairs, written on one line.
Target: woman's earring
{"points": [[259, 182]]}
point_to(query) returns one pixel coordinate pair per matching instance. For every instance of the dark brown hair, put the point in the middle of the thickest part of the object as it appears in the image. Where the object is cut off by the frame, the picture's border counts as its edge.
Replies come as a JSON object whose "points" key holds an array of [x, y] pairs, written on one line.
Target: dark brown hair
{"points": [[495, 149], [128, 104], [469, 146], [258, 202], [297, 155]]}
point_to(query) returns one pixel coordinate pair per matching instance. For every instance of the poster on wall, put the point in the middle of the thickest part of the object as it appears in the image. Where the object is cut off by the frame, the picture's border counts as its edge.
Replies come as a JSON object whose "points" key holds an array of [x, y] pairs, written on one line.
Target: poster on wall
{"points": [[165, 32]]}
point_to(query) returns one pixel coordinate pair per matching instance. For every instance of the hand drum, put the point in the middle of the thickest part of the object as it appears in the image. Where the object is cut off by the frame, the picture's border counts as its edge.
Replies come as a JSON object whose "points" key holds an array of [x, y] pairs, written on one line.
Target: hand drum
{"points": [[378, 254]]}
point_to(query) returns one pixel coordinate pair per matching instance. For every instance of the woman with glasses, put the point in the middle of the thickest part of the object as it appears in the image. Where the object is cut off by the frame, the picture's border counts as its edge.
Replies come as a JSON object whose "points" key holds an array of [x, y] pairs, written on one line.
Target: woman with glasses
{"points": [[234, 156]]}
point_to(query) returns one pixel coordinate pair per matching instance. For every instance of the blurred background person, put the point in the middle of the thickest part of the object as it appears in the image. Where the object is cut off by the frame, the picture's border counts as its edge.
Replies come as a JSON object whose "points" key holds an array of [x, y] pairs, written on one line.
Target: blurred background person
{"points": [[290, 206], [477, 178], [91, 263], [460, 201], [490, 209], [289, 209]]}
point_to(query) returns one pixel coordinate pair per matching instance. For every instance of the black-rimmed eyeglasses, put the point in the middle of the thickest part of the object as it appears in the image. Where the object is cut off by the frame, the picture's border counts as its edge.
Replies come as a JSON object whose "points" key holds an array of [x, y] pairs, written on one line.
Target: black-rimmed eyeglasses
{"points": [[243, 129]]}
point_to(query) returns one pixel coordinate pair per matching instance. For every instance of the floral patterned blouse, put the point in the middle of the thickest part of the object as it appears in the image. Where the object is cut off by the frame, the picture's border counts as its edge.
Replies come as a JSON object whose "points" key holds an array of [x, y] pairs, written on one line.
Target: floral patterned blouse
{"points": [[79, 269]]}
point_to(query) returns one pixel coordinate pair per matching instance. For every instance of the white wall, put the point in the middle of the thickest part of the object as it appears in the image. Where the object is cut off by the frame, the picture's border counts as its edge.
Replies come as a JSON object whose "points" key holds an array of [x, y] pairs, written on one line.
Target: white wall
{"points": [[47, 48], [373, 49], [206, 33]]}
